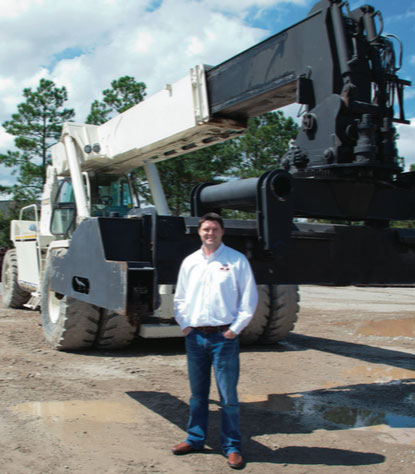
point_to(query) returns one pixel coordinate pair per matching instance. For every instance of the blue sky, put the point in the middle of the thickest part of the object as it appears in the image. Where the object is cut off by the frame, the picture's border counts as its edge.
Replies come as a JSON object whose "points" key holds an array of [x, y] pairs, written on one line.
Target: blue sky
{"points": [[84, 45]]}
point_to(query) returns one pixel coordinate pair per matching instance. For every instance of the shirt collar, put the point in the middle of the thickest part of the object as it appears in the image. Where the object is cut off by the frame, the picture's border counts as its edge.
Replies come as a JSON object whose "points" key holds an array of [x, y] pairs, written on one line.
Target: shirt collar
{"points": [[214, 255]]}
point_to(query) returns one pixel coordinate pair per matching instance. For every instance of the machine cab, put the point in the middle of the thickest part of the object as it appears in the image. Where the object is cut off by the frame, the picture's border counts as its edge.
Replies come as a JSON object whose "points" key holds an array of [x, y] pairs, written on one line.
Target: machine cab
{"points": [[108, 196]]}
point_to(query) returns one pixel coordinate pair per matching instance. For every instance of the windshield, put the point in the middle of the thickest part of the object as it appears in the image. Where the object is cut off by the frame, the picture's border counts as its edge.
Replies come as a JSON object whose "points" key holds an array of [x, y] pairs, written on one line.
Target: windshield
{"points": [[110, 195]]}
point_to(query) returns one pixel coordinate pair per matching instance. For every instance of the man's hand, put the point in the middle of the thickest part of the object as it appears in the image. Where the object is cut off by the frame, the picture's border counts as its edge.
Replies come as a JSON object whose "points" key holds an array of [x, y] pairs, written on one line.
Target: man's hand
{"points": [[228, 334], [187, 330]]}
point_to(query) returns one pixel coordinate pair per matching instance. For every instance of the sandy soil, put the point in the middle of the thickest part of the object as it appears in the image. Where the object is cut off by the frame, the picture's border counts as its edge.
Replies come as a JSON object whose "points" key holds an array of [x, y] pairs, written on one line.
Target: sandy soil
{"points": [[337, 396]]}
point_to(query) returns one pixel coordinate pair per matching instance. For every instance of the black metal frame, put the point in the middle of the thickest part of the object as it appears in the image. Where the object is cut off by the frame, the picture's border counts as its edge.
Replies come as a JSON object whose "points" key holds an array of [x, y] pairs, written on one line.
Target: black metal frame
{"points": [[343, 165]]}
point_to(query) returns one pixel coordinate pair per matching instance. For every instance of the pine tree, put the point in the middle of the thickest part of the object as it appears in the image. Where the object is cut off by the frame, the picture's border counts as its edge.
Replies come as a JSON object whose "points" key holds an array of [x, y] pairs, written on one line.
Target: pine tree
{"points": [[125, 92], [36, 126], [263, 146]]}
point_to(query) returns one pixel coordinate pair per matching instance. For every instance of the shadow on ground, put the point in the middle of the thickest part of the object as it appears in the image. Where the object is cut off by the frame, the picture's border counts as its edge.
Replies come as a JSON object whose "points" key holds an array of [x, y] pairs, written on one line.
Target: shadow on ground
{"points": [[257, 422]]}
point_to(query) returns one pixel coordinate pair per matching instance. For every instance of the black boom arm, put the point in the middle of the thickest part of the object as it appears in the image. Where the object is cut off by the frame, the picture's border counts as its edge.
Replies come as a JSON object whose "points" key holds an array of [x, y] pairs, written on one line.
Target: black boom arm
{"points": [[343, 163], [344, 73]]}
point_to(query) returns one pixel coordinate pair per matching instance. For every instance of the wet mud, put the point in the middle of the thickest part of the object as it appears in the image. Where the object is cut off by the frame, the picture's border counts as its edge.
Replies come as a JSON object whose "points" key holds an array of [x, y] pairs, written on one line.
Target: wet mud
{"points": [[338, 396]]}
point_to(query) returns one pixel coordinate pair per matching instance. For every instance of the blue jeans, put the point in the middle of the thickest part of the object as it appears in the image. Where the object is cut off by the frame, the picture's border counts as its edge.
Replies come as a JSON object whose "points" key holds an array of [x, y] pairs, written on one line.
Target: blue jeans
{"points": [[203, 351]]}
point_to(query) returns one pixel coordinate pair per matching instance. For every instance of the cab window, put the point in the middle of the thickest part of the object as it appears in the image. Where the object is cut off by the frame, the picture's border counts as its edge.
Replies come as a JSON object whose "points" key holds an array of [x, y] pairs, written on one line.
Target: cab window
{"points": [[64, 211], [110, 195]]}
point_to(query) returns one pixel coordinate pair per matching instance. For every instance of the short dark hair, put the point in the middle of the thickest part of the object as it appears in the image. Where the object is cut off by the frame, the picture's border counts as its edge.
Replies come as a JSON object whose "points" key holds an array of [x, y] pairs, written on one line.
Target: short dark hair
{"points": [[211, 216]]}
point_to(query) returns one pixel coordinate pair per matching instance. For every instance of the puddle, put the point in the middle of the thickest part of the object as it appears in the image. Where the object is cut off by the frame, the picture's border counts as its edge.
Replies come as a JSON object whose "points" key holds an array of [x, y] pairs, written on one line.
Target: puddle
{"points": [[97, 411], [359, 417], [388, 328], [341, 416]]}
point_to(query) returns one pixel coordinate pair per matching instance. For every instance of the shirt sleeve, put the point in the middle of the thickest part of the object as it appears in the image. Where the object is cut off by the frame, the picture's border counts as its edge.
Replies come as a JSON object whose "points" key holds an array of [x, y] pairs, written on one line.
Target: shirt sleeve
{"points": [[180, 298], [248, 297]]}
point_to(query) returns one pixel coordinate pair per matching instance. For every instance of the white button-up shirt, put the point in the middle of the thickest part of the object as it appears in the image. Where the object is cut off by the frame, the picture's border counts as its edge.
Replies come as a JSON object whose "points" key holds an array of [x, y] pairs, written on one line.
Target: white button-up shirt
{"points": [[215, 290]]}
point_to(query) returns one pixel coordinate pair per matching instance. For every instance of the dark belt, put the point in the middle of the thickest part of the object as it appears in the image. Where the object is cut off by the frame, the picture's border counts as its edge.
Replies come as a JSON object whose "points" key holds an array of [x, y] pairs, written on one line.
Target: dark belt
{"points": [[212, 329]]}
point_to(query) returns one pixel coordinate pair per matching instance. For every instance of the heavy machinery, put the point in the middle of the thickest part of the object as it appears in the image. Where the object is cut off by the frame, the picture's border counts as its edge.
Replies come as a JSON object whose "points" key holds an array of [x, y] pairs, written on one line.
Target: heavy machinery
{"points": [[103, 270]]}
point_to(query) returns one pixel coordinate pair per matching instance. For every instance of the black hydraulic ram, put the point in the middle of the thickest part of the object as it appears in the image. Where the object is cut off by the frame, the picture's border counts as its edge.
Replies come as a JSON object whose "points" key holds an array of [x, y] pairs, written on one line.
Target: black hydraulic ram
{"points": [[269, 196]]}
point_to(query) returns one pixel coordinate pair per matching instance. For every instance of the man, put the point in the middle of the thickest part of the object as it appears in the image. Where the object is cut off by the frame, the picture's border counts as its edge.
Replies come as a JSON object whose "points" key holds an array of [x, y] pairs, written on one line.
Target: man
{"points": [[215, 299]]}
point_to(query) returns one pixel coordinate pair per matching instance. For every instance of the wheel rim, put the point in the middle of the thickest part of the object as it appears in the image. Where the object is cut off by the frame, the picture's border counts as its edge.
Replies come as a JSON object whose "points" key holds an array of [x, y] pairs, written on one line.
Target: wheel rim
{"points": [[53, 306]]}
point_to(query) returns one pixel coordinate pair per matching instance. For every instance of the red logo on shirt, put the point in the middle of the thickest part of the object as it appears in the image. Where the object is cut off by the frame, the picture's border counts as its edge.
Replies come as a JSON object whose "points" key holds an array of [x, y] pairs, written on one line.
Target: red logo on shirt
{"points": [[224, 267]]}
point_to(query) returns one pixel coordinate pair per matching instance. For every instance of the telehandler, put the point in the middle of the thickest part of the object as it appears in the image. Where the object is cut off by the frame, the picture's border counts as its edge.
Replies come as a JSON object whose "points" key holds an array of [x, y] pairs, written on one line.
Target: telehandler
{"points": [[102, 269]]}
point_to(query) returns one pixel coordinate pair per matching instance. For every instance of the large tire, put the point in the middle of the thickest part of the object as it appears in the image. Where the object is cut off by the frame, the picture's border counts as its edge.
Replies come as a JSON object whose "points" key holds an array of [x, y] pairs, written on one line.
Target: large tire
{"points": [[252, 333], [283, 314], [68, 324], [275, 315], [115, 332], [12, 294]]}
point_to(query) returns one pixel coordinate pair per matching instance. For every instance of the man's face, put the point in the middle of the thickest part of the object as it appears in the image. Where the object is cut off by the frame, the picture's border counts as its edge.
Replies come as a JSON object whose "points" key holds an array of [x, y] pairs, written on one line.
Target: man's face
{"points": [[211, 234]]}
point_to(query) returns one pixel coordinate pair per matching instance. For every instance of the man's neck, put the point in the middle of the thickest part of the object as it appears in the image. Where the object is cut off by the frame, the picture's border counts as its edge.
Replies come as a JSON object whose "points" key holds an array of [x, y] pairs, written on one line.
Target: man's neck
{"points": [[209, 250]]}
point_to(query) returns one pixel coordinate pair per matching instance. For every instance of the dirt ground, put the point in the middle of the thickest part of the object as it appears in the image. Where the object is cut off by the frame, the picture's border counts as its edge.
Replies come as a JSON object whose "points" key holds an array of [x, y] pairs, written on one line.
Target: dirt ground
{"points": [[338, 396]]}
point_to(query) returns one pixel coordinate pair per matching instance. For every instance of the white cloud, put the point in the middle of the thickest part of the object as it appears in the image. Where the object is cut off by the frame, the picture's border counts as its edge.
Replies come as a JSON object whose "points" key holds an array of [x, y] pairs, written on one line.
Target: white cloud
{"points": [[6, 140], [6, 179], [17, 7], [5, 84], [236, 6], [155, 49], [143, 42], [85, 45]]}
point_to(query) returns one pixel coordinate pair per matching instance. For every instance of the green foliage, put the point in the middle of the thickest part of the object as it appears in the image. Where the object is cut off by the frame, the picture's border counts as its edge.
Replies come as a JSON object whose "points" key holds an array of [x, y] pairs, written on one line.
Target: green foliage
{"points": [[124, 93], [181, 174], [259, 150], [5, 231], [99, 114], [263, 146], [36, 126], [10, 210], [410, 224]]}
